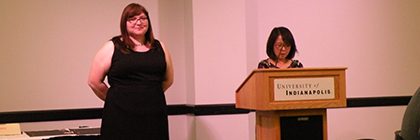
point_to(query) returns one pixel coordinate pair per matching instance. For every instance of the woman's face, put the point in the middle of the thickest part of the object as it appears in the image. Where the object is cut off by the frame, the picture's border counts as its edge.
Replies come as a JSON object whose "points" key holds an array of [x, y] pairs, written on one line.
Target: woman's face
{"points": [[281, 49], [138, 25]]}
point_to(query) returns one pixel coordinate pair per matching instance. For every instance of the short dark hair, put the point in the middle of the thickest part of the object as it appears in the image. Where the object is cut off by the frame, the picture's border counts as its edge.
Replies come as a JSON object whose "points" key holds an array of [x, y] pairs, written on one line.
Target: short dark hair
{"points": [[287, 39], [130, 11]]}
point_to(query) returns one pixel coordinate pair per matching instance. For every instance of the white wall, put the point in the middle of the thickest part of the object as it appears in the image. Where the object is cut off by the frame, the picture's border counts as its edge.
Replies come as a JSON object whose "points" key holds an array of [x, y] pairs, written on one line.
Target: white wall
{"points": [[45, 53], [375, 40], [378, 123]]}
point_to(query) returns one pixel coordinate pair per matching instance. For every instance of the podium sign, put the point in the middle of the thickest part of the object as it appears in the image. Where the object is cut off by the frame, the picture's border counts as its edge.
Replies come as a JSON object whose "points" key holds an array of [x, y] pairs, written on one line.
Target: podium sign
{"points": [[289, 89], [294, 92]]}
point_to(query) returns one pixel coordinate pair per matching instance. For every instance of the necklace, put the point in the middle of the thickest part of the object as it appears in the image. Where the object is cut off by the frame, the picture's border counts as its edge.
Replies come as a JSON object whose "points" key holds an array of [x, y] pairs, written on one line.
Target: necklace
{"points": [[282, 65]]}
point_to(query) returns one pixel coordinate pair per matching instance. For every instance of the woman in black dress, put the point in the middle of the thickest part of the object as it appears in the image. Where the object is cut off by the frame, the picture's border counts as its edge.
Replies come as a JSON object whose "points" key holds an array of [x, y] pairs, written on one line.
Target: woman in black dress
{"points": [[281, 50], [139, 70]]}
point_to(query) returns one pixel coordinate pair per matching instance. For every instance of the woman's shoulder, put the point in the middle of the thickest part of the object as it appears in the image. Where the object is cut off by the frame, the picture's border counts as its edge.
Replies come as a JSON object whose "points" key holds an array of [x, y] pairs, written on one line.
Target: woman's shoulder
{"points": [[159, 45], [156, 43], [265, 63], [296, 64], [117, 41]]}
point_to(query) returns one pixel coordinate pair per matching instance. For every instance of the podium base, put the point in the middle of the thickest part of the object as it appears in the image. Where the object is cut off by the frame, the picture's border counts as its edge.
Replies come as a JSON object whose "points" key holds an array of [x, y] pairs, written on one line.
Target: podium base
{"points": [[301, 128], [291, 124]]}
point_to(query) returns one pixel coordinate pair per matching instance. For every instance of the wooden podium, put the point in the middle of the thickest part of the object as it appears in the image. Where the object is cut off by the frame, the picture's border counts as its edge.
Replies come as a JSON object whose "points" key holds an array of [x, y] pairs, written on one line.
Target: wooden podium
{"points": [[297, 92]]}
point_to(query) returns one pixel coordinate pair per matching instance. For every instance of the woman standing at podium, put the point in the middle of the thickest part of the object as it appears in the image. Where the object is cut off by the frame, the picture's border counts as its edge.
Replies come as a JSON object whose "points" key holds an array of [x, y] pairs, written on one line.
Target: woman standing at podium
{"points": [[139, 70], [281, 50]]}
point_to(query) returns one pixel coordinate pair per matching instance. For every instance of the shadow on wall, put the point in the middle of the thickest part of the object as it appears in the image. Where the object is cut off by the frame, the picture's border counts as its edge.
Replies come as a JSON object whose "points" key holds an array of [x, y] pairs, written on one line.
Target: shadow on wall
{"points": [[203, 132]]}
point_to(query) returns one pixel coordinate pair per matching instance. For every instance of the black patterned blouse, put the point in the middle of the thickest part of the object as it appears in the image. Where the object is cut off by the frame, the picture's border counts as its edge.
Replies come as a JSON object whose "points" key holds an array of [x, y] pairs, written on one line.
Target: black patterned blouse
{"points": [[266, 64]]}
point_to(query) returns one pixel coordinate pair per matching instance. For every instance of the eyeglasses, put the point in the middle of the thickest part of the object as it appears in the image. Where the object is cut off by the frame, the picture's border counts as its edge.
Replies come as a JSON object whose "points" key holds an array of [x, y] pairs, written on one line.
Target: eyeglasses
{"points": [[282, 45], [135, 20]]}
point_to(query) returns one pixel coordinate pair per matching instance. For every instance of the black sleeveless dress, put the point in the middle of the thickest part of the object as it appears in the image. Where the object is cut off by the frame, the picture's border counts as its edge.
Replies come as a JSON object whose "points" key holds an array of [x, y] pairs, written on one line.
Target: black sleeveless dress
{"points": [[135, 106]]}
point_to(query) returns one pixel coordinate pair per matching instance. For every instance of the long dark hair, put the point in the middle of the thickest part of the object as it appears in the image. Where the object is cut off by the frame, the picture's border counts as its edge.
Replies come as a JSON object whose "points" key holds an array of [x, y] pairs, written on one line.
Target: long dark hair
{"points": [[130, 11], [287, 39]]}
